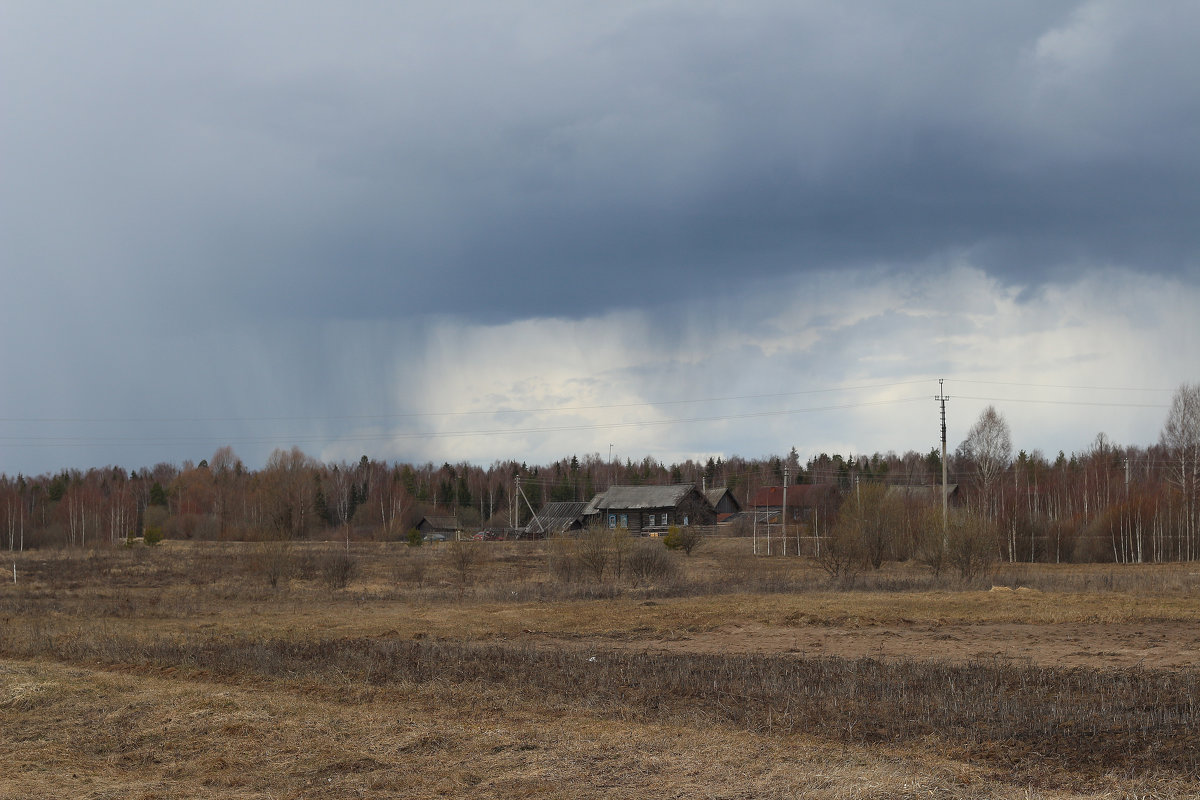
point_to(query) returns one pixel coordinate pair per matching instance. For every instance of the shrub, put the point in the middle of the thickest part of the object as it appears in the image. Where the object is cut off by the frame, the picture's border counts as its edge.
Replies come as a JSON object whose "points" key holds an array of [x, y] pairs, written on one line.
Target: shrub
{"points": [[686, 539], [275, 562], [152, 536], [973, 544], [338, 569], [842, 554], [463, 558], [413, 537], [593, 551], [648, 562]]}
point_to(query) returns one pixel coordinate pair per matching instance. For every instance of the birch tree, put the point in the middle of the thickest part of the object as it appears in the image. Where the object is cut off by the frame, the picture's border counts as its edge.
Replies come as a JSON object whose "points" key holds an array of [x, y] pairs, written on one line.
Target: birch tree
{"points": [[1181, 439], [989, 446]]}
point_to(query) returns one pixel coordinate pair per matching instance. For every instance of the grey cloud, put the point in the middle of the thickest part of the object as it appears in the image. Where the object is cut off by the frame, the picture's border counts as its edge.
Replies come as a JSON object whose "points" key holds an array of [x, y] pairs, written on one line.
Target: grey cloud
{"points": [[273, 170], [491, 163]]}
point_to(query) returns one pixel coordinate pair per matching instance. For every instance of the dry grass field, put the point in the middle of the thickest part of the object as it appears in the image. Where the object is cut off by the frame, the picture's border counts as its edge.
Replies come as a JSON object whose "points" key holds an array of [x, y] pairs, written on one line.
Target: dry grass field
{"points": [[491, 671]]}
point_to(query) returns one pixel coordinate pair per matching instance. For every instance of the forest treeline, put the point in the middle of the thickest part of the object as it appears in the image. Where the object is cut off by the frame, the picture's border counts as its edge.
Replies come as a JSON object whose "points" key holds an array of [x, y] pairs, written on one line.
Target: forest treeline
{"points": [[1104, 503]]}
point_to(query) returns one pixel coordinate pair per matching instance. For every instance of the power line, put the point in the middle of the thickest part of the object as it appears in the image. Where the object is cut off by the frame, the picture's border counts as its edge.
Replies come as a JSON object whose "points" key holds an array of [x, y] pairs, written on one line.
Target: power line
{"points": [[1067, 386], [1061, 402]]}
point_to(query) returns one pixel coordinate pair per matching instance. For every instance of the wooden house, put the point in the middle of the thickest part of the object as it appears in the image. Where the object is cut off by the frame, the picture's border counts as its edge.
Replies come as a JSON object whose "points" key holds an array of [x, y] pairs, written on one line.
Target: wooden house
{"points": [[651, 510], [805, 503]]}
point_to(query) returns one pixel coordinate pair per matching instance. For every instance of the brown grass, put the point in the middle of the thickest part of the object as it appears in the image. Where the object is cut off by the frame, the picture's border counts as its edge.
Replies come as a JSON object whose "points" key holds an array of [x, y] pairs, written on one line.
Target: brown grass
{"points": [[181, 671], [153, 735]]}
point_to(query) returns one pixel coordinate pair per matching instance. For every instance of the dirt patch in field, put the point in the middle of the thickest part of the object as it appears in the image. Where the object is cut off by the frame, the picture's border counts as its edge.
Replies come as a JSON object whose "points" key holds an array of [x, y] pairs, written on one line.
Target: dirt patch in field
{"points": [[1153, 645]]}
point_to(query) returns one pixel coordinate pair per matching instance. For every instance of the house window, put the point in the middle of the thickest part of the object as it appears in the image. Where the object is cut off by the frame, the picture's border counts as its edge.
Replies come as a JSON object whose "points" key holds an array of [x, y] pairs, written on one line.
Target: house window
{"points": [[624, 520], [651, 520], [612, 520], [685, 520], [665, 520]]}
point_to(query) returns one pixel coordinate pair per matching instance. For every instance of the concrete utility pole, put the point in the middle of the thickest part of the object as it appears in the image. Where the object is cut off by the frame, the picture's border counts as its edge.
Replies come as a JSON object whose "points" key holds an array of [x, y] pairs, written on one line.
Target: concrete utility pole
{"points": [[945, 500], [532, 511], [515, 513]]}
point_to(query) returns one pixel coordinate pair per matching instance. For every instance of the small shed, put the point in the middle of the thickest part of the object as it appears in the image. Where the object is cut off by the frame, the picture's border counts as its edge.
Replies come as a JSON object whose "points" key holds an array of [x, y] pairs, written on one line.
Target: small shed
{"points": [[556, 518], [722, 501], [446, 525]]}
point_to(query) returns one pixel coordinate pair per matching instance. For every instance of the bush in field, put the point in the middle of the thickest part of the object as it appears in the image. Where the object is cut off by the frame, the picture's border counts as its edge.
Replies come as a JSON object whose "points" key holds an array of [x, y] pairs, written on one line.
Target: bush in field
{"points": [[686, 539], [648, 562], [931, 540], [593, 551], [842, 554], [973, 544], [338, 569], [152, 536], [413, 537], [463, 558], [274, 561], [597, 551]]}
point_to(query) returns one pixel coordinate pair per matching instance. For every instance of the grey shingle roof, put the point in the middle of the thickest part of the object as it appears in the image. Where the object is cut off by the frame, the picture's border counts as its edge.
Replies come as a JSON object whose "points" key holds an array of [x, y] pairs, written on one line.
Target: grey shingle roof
{"points": [[714, 497], [640, 497], [557, 517]]}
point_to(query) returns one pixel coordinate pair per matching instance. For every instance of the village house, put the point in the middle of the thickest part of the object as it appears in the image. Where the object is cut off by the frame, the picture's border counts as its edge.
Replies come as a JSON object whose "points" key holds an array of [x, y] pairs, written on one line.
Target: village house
{"points": [[651, 510], [810, 506]]}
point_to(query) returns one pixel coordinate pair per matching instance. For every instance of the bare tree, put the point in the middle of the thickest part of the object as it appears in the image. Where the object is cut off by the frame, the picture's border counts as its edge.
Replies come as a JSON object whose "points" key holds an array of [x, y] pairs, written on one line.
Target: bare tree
{"points": [[1181, 439], [288, 491], [989, 446], [841, 553]]}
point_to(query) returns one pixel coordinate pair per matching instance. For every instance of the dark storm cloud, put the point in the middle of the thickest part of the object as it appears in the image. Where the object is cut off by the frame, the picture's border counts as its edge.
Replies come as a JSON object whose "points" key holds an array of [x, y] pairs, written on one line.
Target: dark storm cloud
{"points": [[527, 160], [251, 211]]}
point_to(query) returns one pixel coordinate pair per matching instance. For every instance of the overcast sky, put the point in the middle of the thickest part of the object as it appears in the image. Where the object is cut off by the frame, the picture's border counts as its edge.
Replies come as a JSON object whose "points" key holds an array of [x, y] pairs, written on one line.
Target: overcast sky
{"points": [[479, 230]]}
